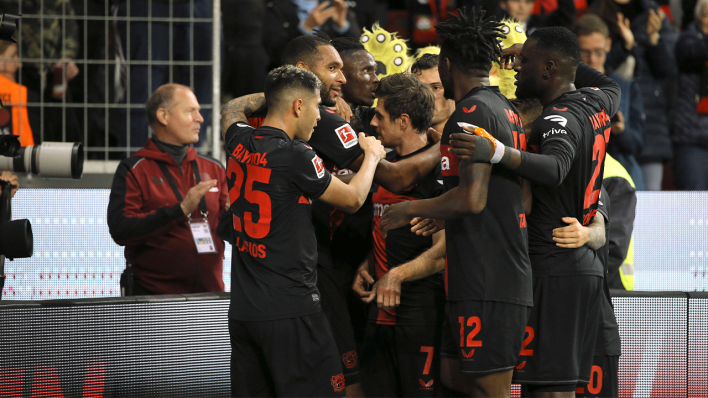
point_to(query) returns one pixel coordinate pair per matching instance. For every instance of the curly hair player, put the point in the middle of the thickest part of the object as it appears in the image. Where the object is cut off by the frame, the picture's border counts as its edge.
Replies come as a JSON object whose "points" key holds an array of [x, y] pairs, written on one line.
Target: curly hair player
{"points": [[488, 272], [571, 135]]}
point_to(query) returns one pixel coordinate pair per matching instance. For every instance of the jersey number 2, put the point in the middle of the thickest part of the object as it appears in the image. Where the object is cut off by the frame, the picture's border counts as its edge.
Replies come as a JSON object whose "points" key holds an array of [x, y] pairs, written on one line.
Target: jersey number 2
{"points": [[598, 153], [259, 229]]}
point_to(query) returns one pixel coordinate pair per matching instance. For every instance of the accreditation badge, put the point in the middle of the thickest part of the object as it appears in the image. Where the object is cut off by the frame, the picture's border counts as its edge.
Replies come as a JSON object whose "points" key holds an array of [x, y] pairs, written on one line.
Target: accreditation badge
{"points": [[202, 236]]}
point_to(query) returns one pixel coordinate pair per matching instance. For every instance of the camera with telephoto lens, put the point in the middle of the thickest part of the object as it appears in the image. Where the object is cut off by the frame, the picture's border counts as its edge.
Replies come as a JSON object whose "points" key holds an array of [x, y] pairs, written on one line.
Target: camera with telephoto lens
{"points": [[48, 160]]}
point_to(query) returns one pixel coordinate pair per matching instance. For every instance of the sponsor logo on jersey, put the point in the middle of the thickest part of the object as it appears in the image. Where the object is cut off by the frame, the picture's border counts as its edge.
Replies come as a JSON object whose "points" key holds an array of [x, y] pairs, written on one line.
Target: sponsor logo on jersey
{"points": [[319, 166], [426, 386], [560, 109], [521, 365], [449, 163], [554, 131], [467, 355], [470, 110], [349, 359], [557, 118], [347, 135], [338, 382], [243, 125]]}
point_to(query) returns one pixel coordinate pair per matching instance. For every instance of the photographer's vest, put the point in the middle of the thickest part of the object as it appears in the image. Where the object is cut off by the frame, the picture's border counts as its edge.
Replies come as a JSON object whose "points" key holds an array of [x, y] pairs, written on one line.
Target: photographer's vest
{"points": [[613, 168], [13, 115]]}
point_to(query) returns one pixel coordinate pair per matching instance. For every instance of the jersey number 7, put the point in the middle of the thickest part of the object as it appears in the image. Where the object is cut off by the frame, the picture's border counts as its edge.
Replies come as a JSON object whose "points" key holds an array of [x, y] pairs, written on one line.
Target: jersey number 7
{"points": [[260, 228]]}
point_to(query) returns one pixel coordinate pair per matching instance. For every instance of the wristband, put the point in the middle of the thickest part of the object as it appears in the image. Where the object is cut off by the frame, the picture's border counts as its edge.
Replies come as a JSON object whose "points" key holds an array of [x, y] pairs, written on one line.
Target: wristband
{"points": [[498, 153]]}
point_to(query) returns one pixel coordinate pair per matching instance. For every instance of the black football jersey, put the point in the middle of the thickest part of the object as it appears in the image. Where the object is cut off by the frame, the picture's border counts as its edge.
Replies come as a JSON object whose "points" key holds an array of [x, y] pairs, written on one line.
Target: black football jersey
{"points": [[487, 253], [578, 124], [400, 246], [272, 180], [335, 142]]}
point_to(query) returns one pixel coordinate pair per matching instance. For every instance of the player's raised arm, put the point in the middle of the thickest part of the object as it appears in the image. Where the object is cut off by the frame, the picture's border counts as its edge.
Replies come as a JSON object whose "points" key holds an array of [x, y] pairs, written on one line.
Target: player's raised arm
{"points": [[350, 197], [469, 197], [238, 110], [552, 165], [398, 176]]}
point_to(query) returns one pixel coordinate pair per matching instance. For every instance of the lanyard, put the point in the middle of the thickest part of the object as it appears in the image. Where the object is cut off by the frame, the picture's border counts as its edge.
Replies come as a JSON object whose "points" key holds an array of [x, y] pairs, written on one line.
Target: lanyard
{"points": [[171, 181]]}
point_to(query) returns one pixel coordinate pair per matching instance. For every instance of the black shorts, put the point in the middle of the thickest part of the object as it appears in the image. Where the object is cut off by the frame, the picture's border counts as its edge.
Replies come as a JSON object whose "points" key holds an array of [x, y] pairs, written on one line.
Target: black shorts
{"points": [[484, 335], [401, 360], [604, 382], [559, 344], [335, 307], [294, 357]]}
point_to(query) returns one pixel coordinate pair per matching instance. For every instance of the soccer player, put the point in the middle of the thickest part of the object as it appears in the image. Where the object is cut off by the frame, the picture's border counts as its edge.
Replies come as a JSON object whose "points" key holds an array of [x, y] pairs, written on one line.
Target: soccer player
{"points": [[488, 273], [336, 142], [359, 92], [400, 352], [281, 341], [570, 135], [425, 69]]}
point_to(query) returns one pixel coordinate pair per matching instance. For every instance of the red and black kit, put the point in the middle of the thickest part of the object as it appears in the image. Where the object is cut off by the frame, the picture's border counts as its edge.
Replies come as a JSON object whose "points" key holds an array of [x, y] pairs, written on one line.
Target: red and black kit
{"points": [[400, 351], [274, 299], [145, 216], [487, 255], [573, 129]]}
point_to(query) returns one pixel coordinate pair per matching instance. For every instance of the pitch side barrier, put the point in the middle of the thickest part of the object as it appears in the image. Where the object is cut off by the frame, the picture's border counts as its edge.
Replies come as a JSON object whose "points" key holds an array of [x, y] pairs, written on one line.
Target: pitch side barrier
{"points": [[178, 346]]}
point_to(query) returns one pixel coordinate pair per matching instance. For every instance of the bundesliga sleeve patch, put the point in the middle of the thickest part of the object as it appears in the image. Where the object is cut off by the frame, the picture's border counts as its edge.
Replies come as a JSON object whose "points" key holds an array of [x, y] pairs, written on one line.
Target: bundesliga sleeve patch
{"points": [[319, 166], [347, 136]]}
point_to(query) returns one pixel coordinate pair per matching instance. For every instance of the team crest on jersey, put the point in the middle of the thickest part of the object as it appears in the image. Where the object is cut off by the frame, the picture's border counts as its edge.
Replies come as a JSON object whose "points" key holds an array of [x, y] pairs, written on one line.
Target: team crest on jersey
{"points": [[557, 118], [319, 166], [347, 135], [338, 382], [349, 359]]}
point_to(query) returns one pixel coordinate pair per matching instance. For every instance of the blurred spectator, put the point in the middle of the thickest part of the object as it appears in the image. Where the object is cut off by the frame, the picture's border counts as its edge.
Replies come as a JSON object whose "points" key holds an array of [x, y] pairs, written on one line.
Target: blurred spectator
{"points": [[54, 38], [690, 128], [654, 74], [628, 124], [13, 115], [620, 33], [244, 54], [162, 42], [520, 10], [287, 19]]}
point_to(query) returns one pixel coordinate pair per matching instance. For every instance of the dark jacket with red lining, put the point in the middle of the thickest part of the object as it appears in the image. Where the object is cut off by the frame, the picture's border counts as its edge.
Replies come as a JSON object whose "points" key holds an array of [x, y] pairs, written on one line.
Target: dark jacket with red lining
{"points": [[145, 216]]}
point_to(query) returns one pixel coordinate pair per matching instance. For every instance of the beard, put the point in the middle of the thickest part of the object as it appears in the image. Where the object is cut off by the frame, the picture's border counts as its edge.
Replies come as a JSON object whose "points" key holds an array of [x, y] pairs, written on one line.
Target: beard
{"points": [[527, 89], [326, 96]]}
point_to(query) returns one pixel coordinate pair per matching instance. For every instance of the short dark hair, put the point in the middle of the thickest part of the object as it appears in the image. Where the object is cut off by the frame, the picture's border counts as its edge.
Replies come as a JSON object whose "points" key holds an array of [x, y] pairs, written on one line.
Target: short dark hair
{"points": [[425, 62], [404, 93], [471, 42], [303, 48], [589, 24], [161, 98], [559, 40], [288, 79], [347, 45]]}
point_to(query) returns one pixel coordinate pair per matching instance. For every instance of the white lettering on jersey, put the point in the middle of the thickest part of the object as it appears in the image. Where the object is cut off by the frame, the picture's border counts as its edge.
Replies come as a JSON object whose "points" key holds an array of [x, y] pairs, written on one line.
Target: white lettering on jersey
{"points": [[557, 118], [347, 136], [445, 163], [554, 131], [379, 209]]}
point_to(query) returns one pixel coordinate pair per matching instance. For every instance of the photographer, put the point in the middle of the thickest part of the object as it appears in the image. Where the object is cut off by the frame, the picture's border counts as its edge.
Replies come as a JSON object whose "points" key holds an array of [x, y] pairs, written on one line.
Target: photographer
{"points": [[166, 202]]}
